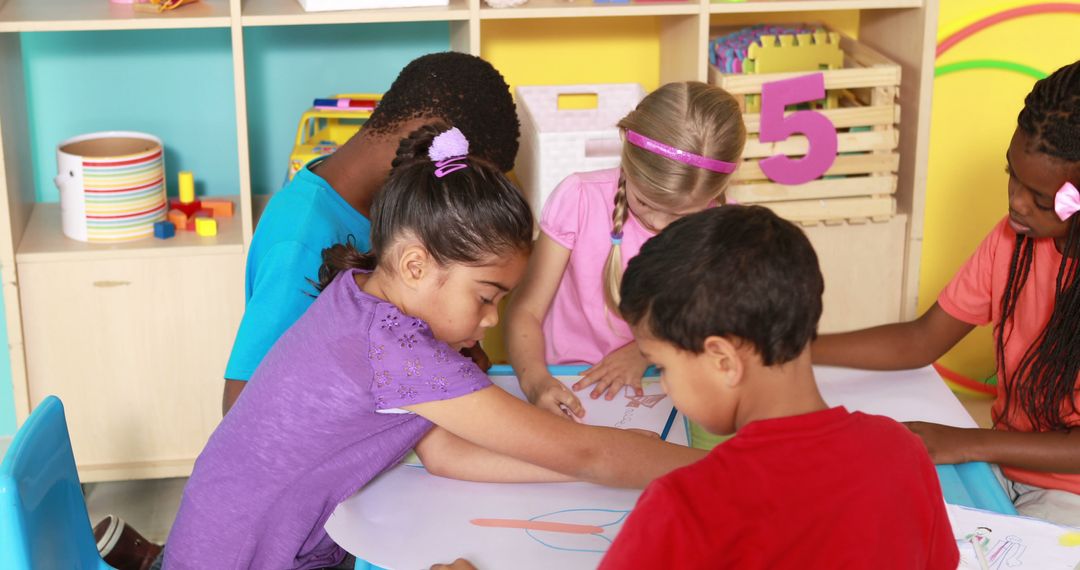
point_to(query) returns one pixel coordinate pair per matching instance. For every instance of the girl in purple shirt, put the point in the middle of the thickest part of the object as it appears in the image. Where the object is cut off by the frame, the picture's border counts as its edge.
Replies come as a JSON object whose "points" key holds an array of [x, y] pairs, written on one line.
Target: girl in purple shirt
{"points": [[373, 366]]}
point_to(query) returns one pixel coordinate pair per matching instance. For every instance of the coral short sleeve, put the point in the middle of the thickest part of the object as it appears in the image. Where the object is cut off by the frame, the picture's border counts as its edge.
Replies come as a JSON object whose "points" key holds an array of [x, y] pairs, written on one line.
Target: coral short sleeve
{"points": [[969, 296], [561, 217], [410, 366]]}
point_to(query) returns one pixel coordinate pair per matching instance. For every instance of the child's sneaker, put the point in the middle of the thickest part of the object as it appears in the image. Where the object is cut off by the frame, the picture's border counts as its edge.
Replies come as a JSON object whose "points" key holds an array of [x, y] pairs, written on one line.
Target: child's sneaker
{"points": [[122, 547]]}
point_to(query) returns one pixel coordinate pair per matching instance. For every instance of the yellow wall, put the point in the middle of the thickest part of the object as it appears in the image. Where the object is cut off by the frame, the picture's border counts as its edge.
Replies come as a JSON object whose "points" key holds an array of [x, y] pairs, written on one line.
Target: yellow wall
{"points": [[974, 114]]}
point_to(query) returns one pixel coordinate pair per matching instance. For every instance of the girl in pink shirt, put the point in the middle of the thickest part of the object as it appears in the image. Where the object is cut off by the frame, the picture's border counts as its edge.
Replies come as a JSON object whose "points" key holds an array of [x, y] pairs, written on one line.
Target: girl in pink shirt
{"points": [[1023, 279], [680, 146]]}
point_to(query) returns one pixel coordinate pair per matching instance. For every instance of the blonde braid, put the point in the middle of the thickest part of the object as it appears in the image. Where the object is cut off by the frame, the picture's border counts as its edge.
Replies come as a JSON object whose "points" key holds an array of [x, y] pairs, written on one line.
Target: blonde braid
{"points": [[613, 266]]}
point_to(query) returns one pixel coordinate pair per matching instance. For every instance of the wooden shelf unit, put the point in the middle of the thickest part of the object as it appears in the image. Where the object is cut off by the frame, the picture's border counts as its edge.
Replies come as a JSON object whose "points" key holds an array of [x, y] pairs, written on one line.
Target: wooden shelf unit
{"points": [[80, 15], [43, 241], [199, 283]]}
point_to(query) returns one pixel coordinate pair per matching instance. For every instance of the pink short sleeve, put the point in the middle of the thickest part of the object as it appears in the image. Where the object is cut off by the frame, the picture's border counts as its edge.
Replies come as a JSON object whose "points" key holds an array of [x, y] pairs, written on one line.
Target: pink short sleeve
{"points": [[410, 366], [969, 296], [561, 217]]}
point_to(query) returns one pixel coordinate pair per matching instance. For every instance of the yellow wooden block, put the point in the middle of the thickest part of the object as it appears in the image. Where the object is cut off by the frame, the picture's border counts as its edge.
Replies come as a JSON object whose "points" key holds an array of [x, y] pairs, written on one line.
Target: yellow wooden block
{"points": [[206, 227], [187, 187]]}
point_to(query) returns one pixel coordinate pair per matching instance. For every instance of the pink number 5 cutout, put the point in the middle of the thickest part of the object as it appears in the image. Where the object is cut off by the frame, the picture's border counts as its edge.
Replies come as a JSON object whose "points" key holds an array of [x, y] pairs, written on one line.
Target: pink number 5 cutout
{"points": [[818, 129]]}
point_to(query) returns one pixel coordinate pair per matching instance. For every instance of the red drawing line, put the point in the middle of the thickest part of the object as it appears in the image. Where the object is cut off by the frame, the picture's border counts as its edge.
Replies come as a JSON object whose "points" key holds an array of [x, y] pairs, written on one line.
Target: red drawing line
{"points": [[1004, 16], [568, 528]]}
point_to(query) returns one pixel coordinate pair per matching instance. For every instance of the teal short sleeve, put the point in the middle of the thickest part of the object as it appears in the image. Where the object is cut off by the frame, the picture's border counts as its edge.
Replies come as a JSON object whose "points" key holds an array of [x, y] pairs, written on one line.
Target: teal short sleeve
{"points": [[280, 294]]}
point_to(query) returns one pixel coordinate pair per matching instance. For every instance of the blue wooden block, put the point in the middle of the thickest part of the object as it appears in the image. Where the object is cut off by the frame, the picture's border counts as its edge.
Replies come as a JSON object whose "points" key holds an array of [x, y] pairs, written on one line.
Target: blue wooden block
{"points": [[164, 230]]}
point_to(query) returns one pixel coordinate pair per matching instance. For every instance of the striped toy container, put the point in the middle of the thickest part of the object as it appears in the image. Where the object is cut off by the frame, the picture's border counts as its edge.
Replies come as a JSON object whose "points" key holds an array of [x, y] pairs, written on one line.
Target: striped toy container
{"points": [[112, 186]]}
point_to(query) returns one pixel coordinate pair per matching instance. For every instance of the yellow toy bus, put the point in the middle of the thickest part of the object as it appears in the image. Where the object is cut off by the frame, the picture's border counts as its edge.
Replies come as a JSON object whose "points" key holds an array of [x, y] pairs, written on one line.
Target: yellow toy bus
{"points": [[327, 125]]}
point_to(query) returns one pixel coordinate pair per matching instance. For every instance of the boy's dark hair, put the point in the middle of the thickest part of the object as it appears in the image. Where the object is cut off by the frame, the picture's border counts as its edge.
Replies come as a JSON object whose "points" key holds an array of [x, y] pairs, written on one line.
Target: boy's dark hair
{"points": [[466, 217], [458, 88], [1043, 385], [734, 271]]}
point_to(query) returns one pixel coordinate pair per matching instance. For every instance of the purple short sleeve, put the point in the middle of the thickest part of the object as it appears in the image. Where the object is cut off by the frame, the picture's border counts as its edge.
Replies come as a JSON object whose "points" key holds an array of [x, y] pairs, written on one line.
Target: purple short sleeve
{"points": [[410, 366]]}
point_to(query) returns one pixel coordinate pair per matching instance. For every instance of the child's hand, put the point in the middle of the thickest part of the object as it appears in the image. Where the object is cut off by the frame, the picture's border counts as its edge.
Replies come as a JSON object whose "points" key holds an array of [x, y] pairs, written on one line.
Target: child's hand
{"points": [[459, 564], [477, 354], [623, 366], [946, 444], [547, 393]]}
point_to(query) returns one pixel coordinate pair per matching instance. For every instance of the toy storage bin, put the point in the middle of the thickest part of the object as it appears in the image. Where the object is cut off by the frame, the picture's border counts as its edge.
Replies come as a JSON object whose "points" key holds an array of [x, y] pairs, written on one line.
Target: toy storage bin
{"points": [[861, 184], [112, 186], [558, 142]]}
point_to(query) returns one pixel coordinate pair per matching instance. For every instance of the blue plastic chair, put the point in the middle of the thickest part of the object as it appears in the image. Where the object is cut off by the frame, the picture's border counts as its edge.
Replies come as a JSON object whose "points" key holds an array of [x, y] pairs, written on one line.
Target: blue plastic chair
{"points": [[43, 519]]}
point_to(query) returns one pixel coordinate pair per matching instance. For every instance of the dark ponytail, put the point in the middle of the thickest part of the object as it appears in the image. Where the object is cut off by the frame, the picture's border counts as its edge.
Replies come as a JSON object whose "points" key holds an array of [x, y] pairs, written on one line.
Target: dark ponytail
{"points": [[464, 217], [342, 257], [415, 147]]}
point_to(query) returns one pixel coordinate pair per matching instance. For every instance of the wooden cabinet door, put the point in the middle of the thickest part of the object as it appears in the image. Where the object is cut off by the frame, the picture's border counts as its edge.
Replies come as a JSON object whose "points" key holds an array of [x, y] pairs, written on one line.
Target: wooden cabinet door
{"points": [[136, 349], [863, 266]]}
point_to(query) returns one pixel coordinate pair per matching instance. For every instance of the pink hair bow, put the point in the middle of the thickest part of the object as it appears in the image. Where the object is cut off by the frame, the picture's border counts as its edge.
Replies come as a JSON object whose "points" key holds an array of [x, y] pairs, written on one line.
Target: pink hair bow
{"points": [[1067, 201]]}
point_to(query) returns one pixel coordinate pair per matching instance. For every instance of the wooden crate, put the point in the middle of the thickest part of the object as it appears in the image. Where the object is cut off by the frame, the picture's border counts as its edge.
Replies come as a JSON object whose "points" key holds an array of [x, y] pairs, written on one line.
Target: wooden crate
{"points": [[862, 182]]}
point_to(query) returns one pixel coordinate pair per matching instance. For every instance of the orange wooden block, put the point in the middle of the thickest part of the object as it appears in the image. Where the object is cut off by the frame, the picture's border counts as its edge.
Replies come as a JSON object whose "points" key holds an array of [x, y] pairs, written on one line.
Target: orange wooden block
{"points": [[178, 219], [221, 208]]}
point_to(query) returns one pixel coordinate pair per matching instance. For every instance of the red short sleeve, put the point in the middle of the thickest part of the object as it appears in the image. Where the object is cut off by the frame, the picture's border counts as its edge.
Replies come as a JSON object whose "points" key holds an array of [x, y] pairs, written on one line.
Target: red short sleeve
{"points": [[658, 533]]}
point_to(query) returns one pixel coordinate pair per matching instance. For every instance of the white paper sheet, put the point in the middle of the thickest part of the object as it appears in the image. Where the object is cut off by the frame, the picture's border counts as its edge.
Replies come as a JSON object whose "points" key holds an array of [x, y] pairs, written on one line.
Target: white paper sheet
{"points": [[1009, 542], [627, 410], [907, 395], [409, 519]]}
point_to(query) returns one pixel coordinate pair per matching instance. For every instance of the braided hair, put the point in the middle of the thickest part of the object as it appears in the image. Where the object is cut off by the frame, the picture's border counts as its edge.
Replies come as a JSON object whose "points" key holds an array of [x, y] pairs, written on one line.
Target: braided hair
{"points": [[691, 116], [1043, 386]]}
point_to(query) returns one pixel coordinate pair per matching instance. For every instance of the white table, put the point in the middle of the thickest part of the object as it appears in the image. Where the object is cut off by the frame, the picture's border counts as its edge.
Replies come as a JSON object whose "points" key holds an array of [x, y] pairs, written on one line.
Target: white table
{"points": [[409, 519]]}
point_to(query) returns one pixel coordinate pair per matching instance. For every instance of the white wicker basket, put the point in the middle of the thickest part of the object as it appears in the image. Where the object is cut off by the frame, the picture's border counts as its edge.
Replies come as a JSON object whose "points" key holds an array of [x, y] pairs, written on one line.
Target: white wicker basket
{"points": [[558, 142]]}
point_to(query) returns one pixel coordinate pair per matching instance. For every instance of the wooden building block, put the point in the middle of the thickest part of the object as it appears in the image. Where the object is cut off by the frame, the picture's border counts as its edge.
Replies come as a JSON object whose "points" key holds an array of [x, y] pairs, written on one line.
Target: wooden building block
{"points": [[205, 227]]}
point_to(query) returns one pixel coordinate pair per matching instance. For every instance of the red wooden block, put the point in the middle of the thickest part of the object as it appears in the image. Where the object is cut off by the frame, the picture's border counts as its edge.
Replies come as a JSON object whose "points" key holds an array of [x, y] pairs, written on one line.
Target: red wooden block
{"points": [[188, 209]]}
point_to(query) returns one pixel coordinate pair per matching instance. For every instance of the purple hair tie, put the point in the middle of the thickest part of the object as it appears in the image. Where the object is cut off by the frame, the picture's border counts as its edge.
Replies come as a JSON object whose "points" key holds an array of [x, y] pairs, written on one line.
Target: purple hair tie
{"points": [[616, 238], [657, 147], [448, 151]]}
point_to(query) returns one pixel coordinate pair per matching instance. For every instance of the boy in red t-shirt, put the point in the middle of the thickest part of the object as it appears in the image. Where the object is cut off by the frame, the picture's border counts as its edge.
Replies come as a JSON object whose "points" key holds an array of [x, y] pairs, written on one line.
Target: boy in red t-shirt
{"points": [[726, 302]]}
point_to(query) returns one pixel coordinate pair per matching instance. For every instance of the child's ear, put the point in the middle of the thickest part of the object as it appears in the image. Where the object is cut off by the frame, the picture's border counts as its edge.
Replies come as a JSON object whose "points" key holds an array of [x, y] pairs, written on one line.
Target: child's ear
{"points": [[414, 264], [723, 355]]}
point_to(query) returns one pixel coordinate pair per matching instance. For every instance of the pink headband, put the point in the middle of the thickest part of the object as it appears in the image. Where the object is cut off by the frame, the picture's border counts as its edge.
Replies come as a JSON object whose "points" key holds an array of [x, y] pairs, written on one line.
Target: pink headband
{"points": [[449, 150], [657, 147], [1066, 201]]}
